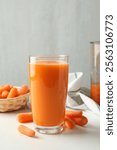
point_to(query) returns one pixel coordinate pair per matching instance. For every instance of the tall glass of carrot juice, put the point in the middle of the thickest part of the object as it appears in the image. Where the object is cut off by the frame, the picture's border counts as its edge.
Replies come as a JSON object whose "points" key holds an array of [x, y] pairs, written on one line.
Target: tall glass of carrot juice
{"points": [[48, 77]]}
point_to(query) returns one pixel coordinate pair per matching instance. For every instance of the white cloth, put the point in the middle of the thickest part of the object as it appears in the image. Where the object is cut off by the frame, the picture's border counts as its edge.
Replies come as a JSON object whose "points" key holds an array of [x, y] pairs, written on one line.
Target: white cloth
{"points": [[74, 88]]}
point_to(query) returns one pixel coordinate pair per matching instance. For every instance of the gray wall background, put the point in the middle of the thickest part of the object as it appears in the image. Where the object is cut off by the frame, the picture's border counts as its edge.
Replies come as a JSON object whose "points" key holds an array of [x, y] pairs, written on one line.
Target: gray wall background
{"points": [[43, 27]]}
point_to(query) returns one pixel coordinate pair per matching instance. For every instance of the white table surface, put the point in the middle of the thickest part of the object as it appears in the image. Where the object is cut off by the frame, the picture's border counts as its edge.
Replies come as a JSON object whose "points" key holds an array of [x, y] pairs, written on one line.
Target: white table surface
{"points": [[80, 138]]}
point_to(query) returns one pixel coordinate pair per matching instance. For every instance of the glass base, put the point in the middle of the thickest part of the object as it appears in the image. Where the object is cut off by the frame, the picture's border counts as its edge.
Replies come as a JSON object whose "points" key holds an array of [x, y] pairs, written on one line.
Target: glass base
{"points": [[49, 130]]}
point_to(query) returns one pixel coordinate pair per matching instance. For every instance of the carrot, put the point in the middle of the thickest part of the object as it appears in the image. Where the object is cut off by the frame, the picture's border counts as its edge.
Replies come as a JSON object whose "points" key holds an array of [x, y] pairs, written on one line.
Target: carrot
{"points": [[72, 114], [77, 121], [81, 121], [4, 94], [13, 93], [84, 120], [26, 131], [25, 117], [23, 90], [69, 123], [0, 95], [5, 88]]}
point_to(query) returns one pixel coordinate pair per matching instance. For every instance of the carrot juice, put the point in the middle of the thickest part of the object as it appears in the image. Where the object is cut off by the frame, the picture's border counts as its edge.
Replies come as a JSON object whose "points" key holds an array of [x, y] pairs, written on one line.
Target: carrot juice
{"points": [[95, 92], [95, 71], [48, 84]]}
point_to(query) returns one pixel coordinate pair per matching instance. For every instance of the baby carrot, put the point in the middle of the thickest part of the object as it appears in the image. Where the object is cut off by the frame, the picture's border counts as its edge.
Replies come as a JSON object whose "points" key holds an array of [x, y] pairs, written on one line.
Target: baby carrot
{"points": [[12, 93], [0, 95], [5, 87], [26, 131], [25, 117], [72, 114], [23, 90], [81, 121], [69, 123], [77, 121], [84, 120], [4, 94]]}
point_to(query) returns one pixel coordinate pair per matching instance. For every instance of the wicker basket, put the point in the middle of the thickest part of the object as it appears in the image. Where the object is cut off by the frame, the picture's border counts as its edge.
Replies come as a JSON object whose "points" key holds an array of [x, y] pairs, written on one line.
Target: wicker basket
{"points": [[15, 103]]}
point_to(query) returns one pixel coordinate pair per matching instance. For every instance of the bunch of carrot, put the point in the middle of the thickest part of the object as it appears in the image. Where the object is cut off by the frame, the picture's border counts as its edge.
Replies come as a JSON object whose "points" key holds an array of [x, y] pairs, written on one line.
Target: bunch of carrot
{"points": [[9, 91], [72, 118]]}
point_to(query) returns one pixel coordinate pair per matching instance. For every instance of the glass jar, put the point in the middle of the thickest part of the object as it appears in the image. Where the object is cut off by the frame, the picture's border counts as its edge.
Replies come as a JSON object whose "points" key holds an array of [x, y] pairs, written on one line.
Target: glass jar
{"points": [[95, 71]]}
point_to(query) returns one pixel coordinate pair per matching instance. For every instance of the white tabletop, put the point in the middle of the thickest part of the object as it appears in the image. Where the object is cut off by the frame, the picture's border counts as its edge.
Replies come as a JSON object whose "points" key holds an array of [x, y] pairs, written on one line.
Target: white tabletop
{"points": [[80, 138]]}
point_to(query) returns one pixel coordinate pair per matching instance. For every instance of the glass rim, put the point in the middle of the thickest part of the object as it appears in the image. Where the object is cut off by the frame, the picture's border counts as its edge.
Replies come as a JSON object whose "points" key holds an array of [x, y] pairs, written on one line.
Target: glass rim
{"points": [[49, 56], [95, 42], [33, 59]]}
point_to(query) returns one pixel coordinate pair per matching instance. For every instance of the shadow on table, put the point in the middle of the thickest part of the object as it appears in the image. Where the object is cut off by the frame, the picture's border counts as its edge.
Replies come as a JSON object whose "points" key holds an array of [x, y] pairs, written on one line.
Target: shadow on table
{"points": [[89, 129]]}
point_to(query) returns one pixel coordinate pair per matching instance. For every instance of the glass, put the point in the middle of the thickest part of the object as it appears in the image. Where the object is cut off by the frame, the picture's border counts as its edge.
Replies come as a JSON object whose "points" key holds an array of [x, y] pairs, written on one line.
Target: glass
{"points": [[95, 71], [48, 77]]}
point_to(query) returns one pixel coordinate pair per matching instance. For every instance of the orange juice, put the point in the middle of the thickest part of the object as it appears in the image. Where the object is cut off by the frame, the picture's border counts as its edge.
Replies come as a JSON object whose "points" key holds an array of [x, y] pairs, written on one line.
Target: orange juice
{"points": [[95, 92], [48, 84]]}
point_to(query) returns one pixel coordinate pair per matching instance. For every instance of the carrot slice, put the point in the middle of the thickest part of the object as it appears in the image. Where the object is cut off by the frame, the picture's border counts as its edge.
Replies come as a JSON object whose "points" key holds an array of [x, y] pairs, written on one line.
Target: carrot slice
{"points": [[25, 117], [69, 123], [26, 130]]}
